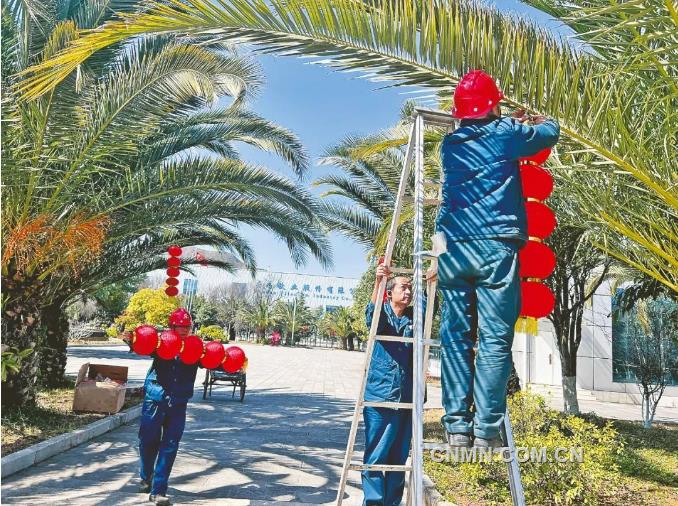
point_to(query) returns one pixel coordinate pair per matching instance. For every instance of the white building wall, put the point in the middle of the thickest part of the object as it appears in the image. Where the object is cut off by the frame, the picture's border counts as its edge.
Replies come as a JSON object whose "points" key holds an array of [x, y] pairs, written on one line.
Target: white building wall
{"points": [[538, 361]]}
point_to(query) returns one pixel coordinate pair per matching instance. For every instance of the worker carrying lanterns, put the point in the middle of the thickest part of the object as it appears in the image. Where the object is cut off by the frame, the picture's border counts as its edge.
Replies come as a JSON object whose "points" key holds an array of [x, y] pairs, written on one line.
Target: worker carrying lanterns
{"points": [[177, 355], [484, 223]]}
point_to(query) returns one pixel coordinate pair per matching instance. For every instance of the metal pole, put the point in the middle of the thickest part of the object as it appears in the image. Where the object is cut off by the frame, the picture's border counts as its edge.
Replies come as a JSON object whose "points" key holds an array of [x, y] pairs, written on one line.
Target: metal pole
{"points": [[294, 317], [419, 378], [516, 485]]}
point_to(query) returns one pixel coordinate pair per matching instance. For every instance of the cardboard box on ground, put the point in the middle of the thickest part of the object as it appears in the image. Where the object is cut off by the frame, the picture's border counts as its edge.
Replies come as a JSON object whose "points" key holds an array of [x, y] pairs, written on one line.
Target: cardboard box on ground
{"points": [[100, 388]]}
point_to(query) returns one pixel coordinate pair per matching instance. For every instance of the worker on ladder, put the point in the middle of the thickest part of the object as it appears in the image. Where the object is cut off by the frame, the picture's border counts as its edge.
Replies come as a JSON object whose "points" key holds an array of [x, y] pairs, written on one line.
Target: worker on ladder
{"points": [[388, 432], [483, 221]]}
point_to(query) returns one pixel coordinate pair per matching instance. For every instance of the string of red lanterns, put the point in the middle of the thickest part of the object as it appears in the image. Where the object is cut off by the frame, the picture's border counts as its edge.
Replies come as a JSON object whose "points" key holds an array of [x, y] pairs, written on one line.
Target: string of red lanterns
{"points": [[168, 345], [173, 263], [537, 261]]}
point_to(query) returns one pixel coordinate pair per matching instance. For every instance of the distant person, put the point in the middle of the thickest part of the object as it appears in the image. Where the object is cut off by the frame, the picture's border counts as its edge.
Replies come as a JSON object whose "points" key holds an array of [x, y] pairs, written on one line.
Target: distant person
{"points": [[482, 218]]}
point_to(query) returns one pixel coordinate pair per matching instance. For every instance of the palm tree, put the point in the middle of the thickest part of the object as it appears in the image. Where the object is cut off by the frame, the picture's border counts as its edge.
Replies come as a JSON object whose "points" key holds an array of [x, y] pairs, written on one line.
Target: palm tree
{"points": [[368, 184], [291, 316], [338, 324], [121, 160], [614, 88], [260, 315]]}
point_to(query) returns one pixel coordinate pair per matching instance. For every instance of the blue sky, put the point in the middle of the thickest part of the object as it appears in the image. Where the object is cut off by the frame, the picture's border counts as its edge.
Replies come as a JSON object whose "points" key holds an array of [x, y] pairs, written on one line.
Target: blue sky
{"points": [[322, 107]]}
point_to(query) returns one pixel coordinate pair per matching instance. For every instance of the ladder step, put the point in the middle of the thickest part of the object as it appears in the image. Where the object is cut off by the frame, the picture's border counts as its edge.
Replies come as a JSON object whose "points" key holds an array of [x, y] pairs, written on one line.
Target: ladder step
{"points": [[401, 339], [385, 404], [380, 467]]}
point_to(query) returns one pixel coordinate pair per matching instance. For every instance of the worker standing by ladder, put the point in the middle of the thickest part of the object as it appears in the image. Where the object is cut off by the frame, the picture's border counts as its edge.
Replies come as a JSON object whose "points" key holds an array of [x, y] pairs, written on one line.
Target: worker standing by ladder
{"points": [[388, 431], [482, 218]]}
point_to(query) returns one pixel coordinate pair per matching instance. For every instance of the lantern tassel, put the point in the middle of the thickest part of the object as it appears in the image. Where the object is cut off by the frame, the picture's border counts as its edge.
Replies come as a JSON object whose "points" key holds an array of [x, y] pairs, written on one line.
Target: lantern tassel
{"points": [[527, 325]]}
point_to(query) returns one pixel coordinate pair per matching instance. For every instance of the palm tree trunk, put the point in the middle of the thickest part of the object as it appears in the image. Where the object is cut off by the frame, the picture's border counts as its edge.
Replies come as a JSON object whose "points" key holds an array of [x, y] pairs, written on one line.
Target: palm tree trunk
{"points": [[52, 352], [21, 330]]}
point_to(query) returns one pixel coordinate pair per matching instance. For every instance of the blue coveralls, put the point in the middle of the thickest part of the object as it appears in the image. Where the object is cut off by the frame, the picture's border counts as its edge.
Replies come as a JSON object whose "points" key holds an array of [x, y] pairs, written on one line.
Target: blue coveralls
{"points": [[168, 387], [483, 219], [388, 432]]}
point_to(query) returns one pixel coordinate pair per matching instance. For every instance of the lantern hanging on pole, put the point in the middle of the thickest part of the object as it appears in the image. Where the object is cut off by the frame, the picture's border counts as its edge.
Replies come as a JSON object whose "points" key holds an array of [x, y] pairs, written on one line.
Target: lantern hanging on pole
{"points": [[536, 182], [536, 260], [540, 219], [173, 263], [539, 158], [537, 299]]}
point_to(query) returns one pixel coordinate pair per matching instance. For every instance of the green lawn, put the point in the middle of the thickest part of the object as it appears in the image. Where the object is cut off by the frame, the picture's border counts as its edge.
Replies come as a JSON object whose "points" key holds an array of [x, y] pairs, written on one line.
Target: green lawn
{"points": [[648, 467], [52, 416]]}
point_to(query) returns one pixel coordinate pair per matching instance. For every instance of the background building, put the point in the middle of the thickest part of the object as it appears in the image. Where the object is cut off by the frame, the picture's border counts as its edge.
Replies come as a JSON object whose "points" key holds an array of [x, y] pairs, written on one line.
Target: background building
{"points": [[323, 291]]}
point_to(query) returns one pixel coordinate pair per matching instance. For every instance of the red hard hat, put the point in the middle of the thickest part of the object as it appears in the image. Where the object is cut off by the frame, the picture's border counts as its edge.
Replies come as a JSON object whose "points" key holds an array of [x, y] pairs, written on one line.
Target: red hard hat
{"points": [[475, 95], [180, 318]]}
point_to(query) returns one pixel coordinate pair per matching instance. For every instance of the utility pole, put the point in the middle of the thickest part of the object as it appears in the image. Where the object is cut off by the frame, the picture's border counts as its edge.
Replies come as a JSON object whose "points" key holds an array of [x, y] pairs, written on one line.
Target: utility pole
{"points": [[294, 318]]}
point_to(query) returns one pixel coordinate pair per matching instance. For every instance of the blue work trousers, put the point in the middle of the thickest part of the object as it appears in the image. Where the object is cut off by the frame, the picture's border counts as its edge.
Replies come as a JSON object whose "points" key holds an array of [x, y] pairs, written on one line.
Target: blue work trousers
{"points": [[481, 292], [388, 433], [161, 428]]}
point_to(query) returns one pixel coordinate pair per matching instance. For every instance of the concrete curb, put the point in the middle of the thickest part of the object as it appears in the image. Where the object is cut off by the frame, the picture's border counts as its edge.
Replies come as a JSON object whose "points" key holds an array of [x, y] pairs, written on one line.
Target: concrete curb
{"points": [[431, 496], [45, 449]]}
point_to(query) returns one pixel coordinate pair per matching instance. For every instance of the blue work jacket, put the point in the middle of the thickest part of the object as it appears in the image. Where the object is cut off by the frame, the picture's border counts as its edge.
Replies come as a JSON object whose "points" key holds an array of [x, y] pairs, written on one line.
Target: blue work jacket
{"points": [[170, 379], [390, 375], [482, 194]]}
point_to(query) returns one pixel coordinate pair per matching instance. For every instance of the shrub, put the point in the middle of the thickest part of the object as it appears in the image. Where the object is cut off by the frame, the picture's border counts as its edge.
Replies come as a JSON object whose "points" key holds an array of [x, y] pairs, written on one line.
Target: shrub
{"points": [[212, 333], [149, 306], [552, 482]]}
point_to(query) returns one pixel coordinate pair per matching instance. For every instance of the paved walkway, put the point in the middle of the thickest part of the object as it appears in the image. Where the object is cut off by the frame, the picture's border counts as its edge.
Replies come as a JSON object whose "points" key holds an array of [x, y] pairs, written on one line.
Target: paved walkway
{"points": [[285, 443]]}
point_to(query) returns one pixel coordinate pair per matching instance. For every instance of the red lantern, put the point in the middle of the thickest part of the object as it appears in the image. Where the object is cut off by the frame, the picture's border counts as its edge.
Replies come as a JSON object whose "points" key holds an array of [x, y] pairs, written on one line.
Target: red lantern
{"points": [[540, 219], [174, 251], [214, 355], [145, 339], [537, 299], [170, 345], [172, 291], [537, 182], [536, 260], [234, 360], [173, 262], [192, 350], [538, 158], [172, 281], [173, 272]]}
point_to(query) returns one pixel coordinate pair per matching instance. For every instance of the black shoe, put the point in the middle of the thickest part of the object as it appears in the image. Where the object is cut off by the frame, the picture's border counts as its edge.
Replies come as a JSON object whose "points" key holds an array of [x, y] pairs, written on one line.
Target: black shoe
{"points": [[144, 486], [159, 499]]}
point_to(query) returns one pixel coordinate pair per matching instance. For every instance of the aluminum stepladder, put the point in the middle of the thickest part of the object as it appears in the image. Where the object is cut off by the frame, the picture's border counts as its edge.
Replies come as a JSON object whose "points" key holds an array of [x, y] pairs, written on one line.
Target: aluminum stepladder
{"points": [[422, 325]]}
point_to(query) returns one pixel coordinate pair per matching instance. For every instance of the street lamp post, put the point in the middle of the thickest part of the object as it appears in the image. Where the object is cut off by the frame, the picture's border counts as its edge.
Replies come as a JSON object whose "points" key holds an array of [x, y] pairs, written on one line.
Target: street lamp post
{"points": [[294, 317]]}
